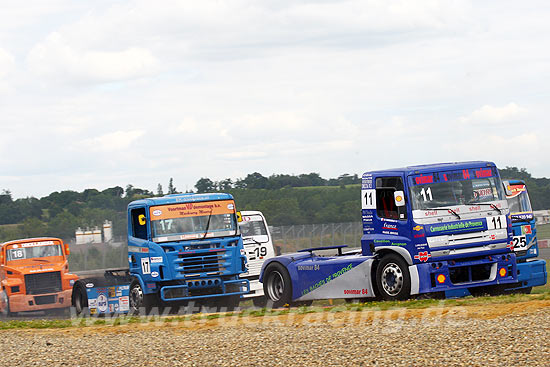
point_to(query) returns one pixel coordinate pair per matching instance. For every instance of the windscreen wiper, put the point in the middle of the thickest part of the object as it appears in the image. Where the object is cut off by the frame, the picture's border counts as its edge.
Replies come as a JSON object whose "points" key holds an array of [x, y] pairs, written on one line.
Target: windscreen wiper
{"points": [[453, 212], [490, 204], [207, 224]]}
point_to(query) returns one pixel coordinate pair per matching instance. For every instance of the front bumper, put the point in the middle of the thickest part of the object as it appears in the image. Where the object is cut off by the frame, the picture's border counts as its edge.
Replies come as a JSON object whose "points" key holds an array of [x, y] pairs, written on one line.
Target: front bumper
{"points": [[441, 276], [181, 292], [256, 289], [39, 302]]}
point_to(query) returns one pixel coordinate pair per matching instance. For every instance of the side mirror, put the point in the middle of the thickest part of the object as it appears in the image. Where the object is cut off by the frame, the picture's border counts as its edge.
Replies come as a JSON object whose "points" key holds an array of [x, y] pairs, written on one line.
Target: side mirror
{"points": [[67, 250], [399, 197], [239, 217]]}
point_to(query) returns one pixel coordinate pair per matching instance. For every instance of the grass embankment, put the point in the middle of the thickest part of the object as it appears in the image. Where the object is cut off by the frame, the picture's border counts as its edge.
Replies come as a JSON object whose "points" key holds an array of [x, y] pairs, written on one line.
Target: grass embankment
{"points": [[318, 307]]}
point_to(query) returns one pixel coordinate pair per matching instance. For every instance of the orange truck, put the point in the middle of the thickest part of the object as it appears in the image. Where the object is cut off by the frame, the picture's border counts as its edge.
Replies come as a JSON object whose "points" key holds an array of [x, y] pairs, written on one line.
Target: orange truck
{"points": [[34, 274]]}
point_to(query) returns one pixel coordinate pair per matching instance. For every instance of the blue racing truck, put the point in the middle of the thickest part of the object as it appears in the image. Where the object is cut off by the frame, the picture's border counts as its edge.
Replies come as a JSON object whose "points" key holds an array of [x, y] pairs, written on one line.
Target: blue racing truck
{"points": [[426, 230], [531, 271], [181, 248]]}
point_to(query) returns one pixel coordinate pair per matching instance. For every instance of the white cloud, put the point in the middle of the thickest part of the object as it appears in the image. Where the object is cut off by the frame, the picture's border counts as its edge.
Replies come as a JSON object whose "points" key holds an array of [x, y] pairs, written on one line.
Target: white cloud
{"points": [[495, 115], [111, 142], [7, 63], [56, 58]]}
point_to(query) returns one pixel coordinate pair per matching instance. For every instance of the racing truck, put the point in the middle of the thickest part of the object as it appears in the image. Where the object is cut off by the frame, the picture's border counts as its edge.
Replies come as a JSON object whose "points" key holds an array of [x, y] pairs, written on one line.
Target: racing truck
{"points": [[181, 248], [258, 246], [531, 271], [35, 276], [427, 229]]}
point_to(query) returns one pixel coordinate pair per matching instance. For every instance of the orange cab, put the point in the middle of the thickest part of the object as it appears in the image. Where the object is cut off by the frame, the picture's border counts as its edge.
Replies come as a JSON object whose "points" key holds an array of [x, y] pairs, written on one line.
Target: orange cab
{"points": [[34, 274]]}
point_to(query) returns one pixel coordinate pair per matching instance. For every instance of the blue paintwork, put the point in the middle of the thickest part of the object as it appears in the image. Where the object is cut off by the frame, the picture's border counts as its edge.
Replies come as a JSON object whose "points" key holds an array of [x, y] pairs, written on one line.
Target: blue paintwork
{"points": [[531, 272], [408, 239], [165, 271]]}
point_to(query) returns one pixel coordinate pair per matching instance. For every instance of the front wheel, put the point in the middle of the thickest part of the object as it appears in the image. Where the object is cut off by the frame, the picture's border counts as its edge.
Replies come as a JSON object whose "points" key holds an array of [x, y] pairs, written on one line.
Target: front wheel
{"points": [[393, 279], [140, 302], [277, 285]]}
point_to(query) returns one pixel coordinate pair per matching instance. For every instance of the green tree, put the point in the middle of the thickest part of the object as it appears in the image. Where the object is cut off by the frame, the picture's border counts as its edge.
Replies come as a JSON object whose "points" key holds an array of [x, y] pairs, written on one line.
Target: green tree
{"points": [[205, 185]]}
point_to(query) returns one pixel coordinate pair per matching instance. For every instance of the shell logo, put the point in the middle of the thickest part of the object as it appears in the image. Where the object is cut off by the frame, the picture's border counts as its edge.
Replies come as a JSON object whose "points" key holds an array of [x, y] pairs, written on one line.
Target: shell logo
{"points": [[417, 228], [399, 198]]}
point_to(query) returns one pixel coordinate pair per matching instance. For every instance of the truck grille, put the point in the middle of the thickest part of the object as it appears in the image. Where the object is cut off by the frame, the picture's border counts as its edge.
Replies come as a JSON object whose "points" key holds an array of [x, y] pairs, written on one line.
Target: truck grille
{"points": [[201, 263], [43, 283]]}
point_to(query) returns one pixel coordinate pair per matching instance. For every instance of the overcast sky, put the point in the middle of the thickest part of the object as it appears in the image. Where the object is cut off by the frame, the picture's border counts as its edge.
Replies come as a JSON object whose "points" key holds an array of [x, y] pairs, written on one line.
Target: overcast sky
{"points": [[95, 94]]}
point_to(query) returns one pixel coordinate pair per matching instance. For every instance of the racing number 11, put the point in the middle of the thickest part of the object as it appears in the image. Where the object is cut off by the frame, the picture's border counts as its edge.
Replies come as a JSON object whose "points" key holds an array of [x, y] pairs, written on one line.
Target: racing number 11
{"points": [[369, 199]]}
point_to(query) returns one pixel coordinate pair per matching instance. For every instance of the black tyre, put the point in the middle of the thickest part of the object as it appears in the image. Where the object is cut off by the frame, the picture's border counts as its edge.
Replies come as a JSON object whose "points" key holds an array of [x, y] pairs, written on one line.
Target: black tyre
{"points": [[6, 310], [80, 299], [277, 285], [141, 303], [393, 279]]}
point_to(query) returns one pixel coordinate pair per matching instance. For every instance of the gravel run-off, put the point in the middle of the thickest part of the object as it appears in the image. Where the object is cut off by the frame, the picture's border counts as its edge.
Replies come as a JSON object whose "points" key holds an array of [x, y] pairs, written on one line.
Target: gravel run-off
{"points": [[516, 334]]}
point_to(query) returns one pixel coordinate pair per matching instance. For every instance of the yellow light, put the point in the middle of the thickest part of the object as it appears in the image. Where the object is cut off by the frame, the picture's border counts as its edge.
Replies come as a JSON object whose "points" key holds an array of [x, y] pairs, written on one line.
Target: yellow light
{"points": [[502, 272], [441, 278]]}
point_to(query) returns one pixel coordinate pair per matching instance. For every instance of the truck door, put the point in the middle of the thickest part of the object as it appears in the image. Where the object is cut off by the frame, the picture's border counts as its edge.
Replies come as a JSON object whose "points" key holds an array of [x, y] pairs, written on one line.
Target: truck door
{"points": [[391, 211], [137, 239]]}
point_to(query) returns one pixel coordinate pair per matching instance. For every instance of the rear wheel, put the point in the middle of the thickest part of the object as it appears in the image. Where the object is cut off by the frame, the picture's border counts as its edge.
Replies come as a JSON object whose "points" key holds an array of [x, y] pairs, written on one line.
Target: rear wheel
{"points": [[277, 285], [80, 299], [393, 279]]}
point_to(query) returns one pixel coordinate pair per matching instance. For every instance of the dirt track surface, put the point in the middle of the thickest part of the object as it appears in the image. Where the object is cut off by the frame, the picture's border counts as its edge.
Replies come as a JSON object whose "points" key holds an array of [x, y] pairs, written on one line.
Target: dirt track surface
{"points": [[515, 334]]}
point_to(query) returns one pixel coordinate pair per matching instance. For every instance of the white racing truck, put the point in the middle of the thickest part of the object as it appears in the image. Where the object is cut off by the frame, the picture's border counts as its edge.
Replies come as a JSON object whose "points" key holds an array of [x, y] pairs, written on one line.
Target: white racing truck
{"points": [[258, 247]]}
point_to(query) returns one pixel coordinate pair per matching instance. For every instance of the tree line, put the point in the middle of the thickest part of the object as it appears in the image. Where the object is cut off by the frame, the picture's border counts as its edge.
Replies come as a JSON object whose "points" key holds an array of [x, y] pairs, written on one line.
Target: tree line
{"points": [[284, 199]]}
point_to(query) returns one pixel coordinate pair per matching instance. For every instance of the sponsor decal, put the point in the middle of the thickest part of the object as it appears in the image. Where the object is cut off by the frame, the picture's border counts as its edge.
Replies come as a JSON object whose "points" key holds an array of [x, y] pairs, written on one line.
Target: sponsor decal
{"points": [[308, 267], [456, 227], [420, 180], [327, 279], [124, 303], [151, 285], [112, 292], [356, 291], [102, 303], [156, 259], [391, 227], [481, 173], [138, 249], [418, 228], [157, 212], [184, 210], [423, 256], [89, 285], [34, 244], [15, 246], [418, 235], [154, 274], [399, 244], [526, 229], [92, 302], [430, 213]]}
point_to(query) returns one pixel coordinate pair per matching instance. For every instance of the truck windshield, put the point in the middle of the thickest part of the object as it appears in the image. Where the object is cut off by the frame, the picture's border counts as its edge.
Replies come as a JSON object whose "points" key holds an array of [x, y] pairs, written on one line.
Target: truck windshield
{"points": [[33, 250], [252, 225], [193, 220], [444, 189], [519, 200]]}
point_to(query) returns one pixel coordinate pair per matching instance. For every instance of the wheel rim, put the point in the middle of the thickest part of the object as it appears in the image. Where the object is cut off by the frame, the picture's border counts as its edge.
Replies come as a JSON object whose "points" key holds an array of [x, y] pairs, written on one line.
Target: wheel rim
{"points": [[136, 297], [392, 279], [275, 285]]}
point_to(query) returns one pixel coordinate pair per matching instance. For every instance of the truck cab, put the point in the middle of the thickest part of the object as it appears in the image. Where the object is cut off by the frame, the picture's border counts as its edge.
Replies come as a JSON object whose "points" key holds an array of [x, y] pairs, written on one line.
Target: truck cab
{"points": [[34, 274], [435, 228], [258, 246], [531, 272], [185, 247]]}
